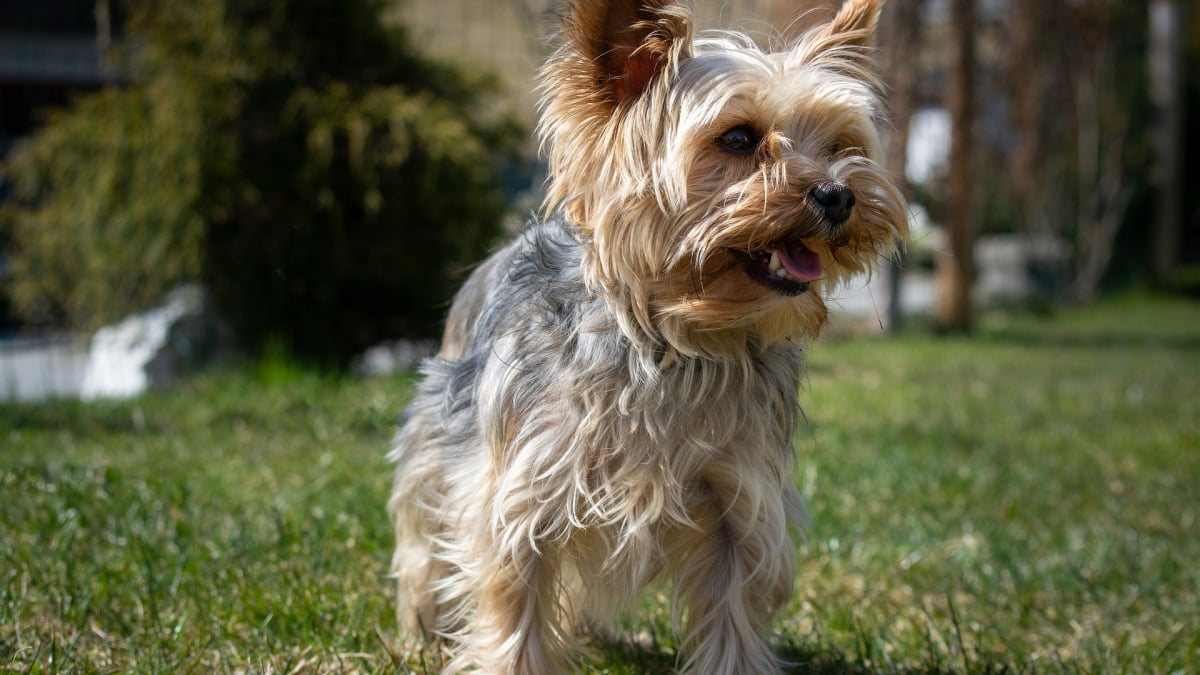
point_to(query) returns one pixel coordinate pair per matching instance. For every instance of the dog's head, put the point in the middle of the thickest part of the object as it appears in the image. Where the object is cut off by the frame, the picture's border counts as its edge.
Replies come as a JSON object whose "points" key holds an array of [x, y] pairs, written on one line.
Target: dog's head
{"points": [[720, 189]]}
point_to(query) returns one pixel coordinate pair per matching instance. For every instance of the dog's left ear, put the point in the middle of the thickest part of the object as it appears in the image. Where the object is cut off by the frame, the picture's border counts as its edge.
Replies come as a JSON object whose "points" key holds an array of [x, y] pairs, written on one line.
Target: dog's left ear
{"points": [[629, 42], [854, 26], [845, 44]]}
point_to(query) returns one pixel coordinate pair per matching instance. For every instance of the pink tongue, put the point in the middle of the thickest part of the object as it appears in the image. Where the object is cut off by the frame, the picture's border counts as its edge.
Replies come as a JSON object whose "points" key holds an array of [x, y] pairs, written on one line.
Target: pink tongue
{"points": [[800, 261]]}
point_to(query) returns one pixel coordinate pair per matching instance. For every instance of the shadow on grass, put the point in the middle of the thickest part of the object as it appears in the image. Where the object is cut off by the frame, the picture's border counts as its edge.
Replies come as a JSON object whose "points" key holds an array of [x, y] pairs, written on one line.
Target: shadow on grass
{"points": [[625, 656], [76, 416], [632, 656], [1088, 340], [812, 660]]}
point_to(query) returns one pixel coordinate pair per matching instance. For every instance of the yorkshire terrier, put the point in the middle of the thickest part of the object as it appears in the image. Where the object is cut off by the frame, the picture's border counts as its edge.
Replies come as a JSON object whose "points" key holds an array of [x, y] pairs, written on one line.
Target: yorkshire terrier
{"points": [[615, 395]]}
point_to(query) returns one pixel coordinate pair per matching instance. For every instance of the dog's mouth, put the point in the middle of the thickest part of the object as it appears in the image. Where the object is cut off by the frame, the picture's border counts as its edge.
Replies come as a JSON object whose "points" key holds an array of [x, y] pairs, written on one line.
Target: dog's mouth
{"points": [[786, 267]]}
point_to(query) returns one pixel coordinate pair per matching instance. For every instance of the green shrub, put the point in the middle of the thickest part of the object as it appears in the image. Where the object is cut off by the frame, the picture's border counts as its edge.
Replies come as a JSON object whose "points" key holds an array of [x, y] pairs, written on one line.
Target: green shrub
{"points": [[327, 182], [113, 217]]}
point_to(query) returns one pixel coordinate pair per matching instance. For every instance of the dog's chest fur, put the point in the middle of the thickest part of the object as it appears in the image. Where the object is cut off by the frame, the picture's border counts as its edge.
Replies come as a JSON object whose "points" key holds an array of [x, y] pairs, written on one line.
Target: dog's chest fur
{"points": [[575, 412]]}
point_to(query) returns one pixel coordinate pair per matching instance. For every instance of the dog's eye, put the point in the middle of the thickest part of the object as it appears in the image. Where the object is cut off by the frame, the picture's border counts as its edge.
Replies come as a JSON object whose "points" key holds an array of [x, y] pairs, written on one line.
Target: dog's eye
{"points": [[740, 140]]}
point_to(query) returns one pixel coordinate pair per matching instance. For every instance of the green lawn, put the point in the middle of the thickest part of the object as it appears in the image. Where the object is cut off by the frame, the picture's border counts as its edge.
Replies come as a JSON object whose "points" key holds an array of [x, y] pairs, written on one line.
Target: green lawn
{"points": [[1023, 500]]}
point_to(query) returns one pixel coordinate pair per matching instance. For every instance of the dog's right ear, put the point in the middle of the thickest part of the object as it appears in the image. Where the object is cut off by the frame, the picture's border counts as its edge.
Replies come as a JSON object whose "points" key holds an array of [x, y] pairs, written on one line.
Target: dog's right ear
{"points": [[629, 43]]}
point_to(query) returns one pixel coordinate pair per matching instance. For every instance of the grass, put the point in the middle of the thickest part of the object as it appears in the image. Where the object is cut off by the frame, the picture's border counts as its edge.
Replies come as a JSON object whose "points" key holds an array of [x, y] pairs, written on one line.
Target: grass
{"points": [[1024, 500]]}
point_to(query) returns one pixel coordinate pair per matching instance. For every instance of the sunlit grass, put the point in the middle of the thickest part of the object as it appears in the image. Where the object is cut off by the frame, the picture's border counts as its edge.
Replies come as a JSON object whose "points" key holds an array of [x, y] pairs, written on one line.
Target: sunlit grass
{"points": [[1024, 500]]}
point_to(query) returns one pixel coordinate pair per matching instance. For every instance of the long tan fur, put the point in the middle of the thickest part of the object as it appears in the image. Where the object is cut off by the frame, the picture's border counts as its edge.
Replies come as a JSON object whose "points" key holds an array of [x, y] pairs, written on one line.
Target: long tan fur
{"points": [[617, 388]]}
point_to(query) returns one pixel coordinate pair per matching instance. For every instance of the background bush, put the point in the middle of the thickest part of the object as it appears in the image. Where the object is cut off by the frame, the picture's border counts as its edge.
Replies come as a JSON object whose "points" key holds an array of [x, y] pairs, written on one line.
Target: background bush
{"points": [[326, 181]]}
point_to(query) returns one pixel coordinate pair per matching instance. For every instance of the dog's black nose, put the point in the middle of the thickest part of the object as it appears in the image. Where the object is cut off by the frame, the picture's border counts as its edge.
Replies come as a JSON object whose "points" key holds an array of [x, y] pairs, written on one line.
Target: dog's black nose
{"points": [[835, 199]]}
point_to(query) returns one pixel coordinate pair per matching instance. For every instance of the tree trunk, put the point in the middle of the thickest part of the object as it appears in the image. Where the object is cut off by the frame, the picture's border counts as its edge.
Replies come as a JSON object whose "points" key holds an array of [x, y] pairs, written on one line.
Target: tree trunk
{"points": [[1102, 126], [956, 266], [900, 38], [1167, 94], [1026, 77], [1102, 191]]}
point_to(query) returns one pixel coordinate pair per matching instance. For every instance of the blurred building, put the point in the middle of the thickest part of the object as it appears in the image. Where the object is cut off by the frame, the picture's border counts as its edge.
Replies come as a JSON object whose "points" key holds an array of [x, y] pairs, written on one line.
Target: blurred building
{"points": [[48, 50], [510, 37]]}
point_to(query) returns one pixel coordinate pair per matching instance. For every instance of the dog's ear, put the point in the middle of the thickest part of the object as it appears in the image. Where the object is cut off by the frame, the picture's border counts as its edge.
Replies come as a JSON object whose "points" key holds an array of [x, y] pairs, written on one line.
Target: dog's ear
{"points": [[854, 25], [845, 44], [629, 43]]}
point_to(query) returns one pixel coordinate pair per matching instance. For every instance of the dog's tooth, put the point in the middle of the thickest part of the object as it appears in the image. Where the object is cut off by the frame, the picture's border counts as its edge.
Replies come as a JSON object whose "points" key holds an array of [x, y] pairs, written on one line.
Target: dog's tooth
{"points": [[775, 266]]}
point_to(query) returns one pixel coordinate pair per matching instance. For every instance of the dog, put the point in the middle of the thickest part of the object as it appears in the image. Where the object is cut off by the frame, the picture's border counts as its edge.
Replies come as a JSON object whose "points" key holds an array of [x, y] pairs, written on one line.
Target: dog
{"points": [[616, 391]]}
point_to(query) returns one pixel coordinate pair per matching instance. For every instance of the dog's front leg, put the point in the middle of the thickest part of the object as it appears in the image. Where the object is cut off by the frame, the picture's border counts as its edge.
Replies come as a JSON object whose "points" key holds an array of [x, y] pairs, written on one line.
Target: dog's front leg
{"points": [[514, 629], [735, 570]]}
